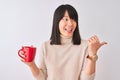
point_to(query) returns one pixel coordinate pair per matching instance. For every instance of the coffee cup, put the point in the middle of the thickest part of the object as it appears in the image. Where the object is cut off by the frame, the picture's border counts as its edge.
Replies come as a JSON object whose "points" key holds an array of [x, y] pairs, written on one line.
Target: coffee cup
{"points": [[27, 53]]}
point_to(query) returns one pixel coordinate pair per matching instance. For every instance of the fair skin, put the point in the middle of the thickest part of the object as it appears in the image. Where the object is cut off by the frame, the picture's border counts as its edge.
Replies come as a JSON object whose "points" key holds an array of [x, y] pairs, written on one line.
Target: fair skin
{"points": [[67, 27], [93, 45]]}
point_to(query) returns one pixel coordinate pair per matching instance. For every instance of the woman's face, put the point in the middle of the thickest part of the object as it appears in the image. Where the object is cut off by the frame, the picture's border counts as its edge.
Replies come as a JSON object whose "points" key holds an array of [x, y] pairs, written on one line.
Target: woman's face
{"points": [[67, 26]]}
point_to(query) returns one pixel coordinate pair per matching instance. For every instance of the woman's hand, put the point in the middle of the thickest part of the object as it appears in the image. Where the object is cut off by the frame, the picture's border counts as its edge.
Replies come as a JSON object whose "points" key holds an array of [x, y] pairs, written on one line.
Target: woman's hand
{"points": [[33, 67], [30, 64], [94, 44]]}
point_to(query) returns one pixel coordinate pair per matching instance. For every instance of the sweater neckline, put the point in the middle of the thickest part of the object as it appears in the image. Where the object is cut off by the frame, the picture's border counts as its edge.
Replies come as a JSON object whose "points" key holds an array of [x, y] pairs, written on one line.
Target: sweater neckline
{"points": [[66, 40]]}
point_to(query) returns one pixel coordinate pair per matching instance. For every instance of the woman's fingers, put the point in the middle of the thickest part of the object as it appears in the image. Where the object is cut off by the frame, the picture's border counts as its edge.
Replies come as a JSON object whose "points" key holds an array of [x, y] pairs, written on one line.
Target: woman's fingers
{"points": [[22, 56], [23, 60], [93, 39], [103, 43], [94, 42]]}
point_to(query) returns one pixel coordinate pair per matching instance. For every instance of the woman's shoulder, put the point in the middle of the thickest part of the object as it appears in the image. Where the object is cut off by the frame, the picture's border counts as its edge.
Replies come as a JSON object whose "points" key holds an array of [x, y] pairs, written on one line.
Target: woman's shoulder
{"points": [[45, 43]]}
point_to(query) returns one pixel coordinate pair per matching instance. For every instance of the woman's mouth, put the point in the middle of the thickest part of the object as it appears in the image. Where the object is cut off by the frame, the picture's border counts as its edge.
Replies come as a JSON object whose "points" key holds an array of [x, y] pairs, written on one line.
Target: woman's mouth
{"points": [[68, 30]]}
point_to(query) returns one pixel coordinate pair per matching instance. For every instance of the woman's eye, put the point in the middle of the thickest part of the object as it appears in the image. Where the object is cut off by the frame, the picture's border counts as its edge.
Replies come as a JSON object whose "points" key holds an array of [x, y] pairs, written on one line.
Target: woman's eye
{"points": [[65, 19]]}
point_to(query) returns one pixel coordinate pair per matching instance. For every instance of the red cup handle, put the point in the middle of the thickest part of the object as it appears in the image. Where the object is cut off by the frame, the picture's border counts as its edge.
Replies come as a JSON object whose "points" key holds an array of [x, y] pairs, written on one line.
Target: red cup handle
{"points": [[20, 54]]}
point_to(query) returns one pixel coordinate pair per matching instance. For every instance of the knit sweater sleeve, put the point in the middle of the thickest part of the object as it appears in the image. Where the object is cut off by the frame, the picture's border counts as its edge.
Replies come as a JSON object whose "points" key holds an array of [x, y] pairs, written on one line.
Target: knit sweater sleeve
{"points": [[83, 75], [42, 67]]}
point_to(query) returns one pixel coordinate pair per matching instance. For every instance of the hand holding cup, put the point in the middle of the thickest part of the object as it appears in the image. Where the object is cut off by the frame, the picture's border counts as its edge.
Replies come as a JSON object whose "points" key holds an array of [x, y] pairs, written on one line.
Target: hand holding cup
{"points": [[27, 53]]}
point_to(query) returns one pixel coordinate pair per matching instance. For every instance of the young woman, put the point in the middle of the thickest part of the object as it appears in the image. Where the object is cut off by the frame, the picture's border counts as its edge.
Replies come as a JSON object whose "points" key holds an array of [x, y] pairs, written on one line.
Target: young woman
{"points": [[66, 56]]}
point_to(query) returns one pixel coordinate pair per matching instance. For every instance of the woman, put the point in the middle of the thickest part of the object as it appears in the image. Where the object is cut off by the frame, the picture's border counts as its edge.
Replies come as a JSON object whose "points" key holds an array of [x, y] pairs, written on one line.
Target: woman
{"points": [[66, 56]]}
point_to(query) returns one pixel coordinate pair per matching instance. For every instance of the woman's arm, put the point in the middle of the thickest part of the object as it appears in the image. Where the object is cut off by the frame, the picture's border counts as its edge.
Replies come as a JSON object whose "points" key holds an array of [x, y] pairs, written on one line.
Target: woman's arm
{"points": [[90, 67], [34, 69], [38, 73], [93, 45]]}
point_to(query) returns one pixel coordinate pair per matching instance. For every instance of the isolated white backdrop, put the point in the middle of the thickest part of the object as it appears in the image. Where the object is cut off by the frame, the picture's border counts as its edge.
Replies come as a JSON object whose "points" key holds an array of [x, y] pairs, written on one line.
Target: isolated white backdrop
{"points": [[28, 22]]}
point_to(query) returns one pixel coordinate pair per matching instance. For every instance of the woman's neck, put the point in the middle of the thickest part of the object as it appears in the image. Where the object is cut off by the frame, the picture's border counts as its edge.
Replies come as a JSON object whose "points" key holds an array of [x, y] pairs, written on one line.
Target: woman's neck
{"points": [[66, 39]]}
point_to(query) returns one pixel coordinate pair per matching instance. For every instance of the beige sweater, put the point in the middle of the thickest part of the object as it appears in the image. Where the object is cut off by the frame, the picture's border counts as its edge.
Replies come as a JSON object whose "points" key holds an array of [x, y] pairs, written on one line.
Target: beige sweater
{"points": [[63, 62]]}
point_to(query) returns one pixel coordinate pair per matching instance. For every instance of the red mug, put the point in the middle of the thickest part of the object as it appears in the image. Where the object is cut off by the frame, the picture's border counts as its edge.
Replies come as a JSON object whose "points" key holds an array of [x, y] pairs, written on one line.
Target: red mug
{"points": [[29, 53]]}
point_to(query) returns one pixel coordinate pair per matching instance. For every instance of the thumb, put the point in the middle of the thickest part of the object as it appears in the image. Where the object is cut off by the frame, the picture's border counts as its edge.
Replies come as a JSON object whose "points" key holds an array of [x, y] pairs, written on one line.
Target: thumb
{"points": [[103, 43]]}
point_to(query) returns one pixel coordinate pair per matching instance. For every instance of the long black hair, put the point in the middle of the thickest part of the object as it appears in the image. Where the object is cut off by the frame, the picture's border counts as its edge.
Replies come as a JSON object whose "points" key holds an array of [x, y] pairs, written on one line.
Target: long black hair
{"points": [[58, 15]]}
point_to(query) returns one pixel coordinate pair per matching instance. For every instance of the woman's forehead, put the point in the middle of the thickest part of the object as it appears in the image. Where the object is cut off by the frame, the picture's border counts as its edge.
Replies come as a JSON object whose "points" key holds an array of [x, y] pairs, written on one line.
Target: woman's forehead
{"points": [[66, 14]]}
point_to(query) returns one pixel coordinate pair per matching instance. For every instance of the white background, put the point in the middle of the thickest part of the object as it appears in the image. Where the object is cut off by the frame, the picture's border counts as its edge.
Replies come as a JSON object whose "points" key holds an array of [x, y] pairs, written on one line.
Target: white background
{"points": [[29, 22]]}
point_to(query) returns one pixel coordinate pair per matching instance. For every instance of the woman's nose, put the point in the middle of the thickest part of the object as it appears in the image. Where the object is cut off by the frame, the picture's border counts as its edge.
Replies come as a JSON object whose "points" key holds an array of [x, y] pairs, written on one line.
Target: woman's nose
{"points": [[69, 22]]}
